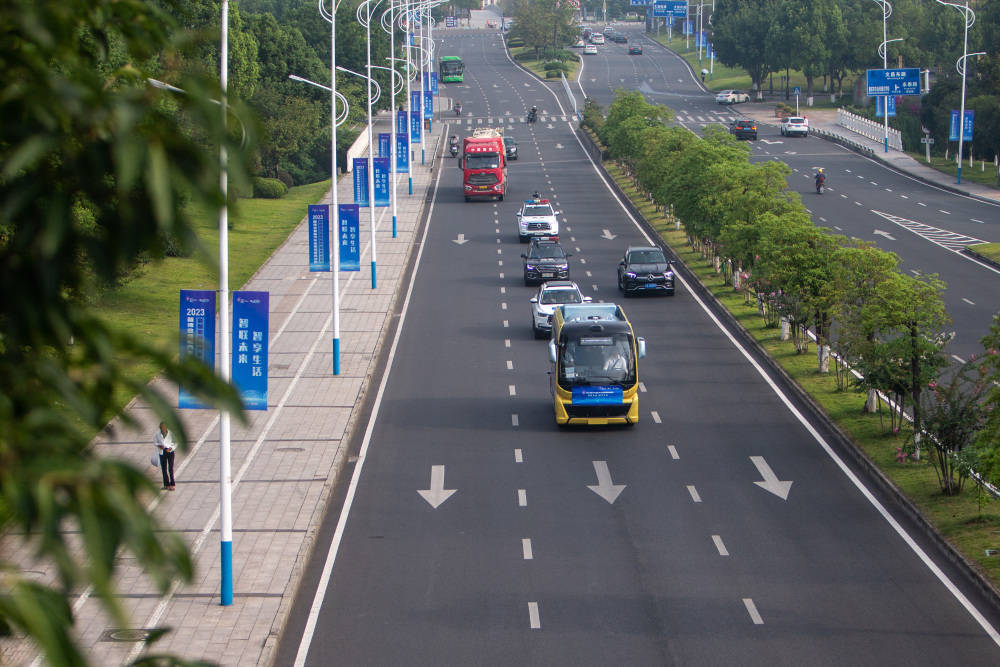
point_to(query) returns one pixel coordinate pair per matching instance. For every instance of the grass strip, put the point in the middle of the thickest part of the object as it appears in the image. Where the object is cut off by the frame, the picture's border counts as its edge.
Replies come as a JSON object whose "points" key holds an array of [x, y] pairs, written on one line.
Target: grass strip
{"points": [[536, 65], [967, 521]]}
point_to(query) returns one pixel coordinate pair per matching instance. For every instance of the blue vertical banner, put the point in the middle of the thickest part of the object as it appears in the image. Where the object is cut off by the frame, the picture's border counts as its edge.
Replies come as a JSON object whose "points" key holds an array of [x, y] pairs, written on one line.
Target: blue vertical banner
{"points": [[402, 154], [319, 237], [966, 126], [687, 27], [428, 104], [250, 334], [197, 327], [401, 121], [434, 82], [349, 237], [384, 147], [415, 124], [880, 102], [381, 185], [360, 169], [415, 102]]}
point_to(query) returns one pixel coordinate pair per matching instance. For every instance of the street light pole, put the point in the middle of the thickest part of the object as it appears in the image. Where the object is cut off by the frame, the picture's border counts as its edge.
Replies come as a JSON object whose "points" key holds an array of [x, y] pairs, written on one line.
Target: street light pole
{"points": [[970, 19], [886, 13], [371, 146]]}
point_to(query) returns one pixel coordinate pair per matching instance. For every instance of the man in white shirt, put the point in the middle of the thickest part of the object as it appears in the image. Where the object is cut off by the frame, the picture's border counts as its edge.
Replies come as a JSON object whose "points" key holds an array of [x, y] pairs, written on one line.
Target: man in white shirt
{"points": [[164, 442]]}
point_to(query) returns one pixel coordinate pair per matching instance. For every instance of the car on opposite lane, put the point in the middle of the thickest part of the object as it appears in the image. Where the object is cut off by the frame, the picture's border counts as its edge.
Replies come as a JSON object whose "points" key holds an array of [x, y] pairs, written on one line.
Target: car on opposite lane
{"points": [[550, 295], [794, 126], [645, 269], [545, 260], [635, 50], [743, 128], [731, 97]]}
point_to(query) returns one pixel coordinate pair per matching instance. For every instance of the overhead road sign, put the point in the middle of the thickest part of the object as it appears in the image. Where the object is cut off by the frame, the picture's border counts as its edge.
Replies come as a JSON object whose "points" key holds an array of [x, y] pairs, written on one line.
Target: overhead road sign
{"points": [[904, 81]]}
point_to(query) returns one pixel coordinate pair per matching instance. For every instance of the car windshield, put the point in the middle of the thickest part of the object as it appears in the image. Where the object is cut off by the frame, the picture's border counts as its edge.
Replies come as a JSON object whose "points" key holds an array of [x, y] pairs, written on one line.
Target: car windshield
{"points": [[537, 210], [596, 360], [547, 252], [796, 120], [647, 257], [553, 296], [482, 161]]}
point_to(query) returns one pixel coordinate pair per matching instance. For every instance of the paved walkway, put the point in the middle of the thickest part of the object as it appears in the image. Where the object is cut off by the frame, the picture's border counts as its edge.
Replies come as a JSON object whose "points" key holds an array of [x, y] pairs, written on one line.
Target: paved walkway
{"points": [[823, 122], [284, 461]]}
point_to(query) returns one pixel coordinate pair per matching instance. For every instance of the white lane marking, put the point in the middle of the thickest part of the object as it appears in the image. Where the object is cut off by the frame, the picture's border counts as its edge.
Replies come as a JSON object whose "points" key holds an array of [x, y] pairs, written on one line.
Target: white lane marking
{"points": [[583, 261], [971, 303], [843, 196], [506, 342], [510, 365], [501, 275], [720, 546], [673, 452], [499, 250], [589, 275], [920, 203], [506, 324], [752, 610], [656, 417], [979, 221], [694, 493], [958, 358], [904, 196], [824, 445], [512, 390], [642, 387], [518, 454], [503, 290], [533, 619], [573, 239], [941, 210], [503, 305], [338, 534], [499, 262], [522, 498], [593, 287], [857, 203], [526, 548], [873, 183], [515, 422]]}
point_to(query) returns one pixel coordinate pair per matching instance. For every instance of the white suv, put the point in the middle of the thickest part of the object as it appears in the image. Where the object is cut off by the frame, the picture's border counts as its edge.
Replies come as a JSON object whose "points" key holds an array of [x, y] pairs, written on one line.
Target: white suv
{"points": [[537, 218], [794, 125]]}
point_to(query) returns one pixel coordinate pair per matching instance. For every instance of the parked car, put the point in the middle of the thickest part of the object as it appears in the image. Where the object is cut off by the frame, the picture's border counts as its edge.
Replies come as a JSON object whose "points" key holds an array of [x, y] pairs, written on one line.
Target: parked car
{"points": [[744, 128], [635, 50], [794, 125], [731, 97], [590, 50]]}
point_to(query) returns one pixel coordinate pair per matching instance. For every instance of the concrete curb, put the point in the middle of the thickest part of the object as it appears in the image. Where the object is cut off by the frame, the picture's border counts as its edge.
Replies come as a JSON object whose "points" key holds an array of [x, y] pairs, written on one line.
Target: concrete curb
{"points": [[842, 442]]}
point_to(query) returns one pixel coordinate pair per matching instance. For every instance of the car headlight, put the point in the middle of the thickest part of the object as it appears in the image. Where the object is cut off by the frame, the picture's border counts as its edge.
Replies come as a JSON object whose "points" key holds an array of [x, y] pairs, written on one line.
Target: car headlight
{"points": [[468, 187], [564, 267], [668, 274], [630, 274], [529, 267]]}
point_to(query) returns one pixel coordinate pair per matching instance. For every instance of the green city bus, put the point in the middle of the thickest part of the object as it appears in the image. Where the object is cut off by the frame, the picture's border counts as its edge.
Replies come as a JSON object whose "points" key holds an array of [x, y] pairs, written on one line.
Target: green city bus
{"points": [[452, 69]]}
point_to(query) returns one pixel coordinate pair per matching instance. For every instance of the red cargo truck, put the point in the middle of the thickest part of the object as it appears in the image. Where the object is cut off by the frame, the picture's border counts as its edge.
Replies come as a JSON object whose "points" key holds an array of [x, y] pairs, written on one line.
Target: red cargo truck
{"points": [[484, 165]]}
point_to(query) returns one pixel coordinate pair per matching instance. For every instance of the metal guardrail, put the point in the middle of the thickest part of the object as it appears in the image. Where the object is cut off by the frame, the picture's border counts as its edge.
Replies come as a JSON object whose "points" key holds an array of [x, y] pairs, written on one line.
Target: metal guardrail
{"points": [[869, 128]]}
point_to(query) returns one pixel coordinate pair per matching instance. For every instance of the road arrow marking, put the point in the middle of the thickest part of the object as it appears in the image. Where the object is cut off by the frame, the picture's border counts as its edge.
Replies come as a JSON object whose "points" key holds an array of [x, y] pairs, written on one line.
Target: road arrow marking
{"points": [[460, 240], [771, 482], [558, 145], [604, 488], [768, 141], [879, 232], [608, 235], [437, 494]]}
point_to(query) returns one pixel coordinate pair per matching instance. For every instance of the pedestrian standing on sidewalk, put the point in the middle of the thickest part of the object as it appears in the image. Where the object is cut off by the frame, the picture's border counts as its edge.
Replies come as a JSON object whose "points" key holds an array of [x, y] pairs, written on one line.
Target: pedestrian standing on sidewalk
{"points": [[164, 442]]}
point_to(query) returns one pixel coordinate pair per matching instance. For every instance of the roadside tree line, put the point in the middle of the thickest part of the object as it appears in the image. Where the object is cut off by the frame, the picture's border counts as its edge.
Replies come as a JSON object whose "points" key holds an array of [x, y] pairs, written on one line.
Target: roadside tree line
{"points": [[861, 309]]}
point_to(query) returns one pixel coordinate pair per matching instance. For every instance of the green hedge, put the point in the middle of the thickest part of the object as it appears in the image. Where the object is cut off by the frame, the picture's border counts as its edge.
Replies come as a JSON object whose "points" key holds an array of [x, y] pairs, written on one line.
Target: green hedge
{"points": [[268, 188]]}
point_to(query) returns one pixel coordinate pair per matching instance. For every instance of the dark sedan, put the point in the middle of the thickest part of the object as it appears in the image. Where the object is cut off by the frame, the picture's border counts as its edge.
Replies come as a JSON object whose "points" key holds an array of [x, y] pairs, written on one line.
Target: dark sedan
{"points": [[743, 129], [635, 50], [510, 148], [645, 268]]}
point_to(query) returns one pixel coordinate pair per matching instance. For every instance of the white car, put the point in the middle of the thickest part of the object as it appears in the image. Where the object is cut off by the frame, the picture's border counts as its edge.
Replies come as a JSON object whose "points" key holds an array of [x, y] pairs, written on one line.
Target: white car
{"points": [[550, 295], [731, 97], [794, 125], [590, 50], [597, 38], [537, 218]]}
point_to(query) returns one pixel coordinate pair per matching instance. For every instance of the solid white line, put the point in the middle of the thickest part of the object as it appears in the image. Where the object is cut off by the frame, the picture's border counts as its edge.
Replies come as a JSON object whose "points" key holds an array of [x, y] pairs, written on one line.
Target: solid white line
{"points": [[694, 493], [719, 545], [656, 417], [514, 422], [526, 548], [533, 619], [920, 553], [752, 610], [511, 390], [522, 498], [673, 452], [338, 534]]}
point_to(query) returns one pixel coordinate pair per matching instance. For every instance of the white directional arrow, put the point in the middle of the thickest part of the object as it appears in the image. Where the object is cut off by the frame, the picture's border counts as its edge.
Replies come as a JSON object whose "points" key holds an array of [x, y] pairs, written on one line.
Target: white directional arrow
{"points": [[771, 482], [437, 494], [608, 235], [768, 141], [460, 240], [549, 126], [604, 488], [879, 232]]}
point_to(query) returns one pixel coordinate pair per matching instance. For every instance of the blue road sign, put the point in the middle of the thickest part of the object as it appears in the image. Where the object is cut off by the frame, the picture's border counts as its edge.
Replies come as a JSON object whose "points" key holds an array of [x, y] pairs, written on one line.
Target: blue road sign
{"points": [[319, 237], [197, 327], [250, 333], [904, 81]]}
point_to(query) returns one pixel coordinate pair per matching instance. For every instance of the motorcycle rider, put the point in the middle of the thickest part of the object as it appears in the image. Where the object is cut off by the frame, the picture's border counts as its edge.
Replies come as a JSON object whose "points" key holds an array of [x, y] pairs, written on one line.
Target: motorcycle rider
{"points": [[458, 108], [532, 114], [453, 145], [820, 179]]}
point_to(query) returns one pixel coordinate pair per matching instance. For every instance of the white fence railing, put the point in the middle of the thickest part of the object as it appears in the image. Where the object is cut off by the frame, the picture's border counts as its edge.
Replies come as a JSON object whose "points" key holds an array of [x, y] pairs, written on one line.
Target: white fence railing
{"points": [[869, 128]]}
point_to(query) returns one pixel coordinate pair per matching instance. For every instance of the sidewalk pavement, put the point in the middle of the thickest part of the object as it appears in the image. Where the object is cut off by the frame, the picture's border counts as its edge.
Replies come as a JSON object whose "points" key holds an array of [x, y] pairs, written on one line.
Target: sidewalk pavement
{"points": [[823, 122], [285, 461]]}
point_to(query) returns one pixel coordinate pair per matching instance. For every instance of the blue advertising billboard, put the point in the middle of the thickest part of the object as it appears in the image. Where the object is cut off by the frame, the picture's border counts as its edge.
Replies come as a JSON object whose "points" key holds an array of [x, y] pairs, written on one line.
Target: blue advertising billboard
{"points": [[319, 237], [349, 237], [381, 182], [402, 154], [197, 328], [904, 81], [250, 333], [384, 147], [360, 169], [966, 126]]}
